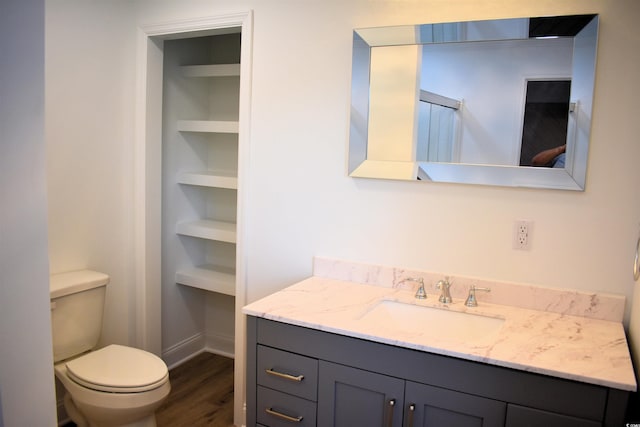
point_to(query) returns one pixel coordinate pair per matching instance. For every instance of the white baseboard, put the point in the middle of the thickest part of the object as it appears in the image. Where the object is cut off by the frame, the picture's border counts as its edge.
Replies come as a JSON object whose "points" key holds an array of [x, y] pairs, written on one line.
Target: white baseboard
{"points": [[220, 344], [184, 350], [191, 347]]}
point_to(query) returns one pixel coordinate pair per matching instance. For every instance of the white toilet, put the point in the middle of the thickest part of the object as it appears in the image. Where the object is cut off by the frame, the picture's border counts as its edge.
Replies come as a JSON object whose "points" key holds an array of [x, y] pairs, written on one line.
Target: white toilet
{"points": [[114, 386]]}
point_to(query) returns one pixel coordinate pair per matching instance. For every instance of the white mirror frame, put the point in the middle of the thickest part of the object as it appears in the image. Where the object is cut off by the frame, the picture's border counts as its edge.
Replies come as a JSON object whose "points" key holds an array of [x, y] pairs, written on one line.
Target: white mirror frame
{"points": [[361, 165]]}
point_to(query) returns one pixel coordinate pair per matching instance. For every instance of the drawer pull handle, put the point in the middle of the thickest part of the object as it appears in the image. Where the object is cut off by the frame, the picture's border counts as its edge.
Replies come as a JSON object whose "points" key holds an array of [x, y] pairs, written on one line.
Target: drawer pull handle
{"points": [[285, 417], [296, 378]]}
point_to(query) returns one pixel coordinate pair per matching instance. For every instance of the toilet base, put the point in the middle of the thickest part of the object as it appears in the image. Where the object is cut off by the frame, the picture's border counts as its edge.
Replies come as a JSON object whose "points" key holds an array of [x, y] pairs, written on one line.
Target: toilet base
{"points": [[88, 407], [73, 413], [91, 408], [104, 418]]}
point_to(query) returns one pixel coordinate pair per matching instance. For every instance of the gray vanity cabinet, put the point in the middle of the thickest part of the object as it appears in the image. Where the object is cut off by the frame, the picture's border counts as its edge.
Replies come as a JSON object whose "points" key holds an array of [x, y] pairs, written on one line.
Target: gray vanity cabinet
{"points": [[350, 397], [307, 377]]}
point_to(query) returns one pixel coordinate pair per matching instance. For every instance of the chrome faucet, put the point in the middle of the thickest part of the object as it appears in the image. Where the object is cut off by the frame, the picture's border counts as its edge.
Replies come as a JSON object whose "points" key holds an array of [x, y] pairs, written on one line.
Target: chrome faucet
{"points": [[445, 295], [420, 293], [471, 299]]}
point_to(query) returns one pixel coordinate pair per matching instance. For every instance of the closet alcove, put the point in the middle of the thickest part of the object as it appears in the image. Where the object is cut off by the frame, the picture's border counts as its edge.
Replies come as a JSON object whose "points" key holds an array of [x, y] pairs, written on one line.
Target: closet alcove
{"points": [[200, 114]]}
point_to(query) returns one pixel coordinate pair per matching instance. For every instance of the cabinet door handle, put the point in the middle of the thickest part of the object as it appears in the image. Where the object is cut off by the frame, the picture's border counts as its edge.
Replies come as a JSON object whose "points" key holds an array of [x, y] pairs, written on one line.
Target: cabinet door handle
{"points": [[282, 416], [296, 378], [412, 410], [392, 404]]}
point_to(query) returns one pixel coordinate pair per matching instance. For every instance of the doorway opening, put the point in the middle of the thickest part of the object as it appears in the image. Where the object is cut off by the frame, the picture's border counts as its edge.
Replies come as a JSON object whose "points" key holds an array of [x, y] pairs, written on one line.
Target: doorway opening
{"points": [[546, 118], [192, 141]]}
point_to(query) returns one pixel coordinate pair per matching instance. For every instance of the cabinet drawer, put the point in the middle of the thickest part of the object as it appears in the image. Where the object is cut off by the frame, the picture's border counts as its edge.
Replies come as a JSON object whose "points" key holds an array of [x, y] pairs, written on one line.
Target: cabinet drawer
{"points": [[276, 409], [287, 372]]}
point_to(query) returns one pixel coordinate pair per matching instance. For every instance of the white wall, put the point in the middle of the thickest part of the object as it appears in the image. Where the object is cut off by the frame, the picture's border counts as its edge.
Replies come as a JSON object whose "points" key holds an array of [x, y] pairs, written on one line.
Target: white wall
{"points": [[90, 78], [26, 360], [301, 203]]}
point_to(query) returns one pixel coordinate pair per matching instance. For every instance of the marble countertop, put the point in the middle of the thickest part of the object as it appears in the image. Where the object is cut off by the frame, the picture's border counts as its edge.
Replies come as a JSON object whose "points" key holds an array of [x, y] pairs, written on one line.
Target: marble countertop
{"points": [[576, 348]]}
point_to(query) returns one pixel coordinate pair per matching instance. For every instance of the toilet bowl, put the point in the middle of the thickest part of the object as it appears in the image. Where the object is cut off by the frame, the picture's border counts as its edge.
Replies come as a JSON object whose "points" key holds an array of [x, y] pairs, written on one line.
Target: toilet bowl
{"points": [[115, 386]]}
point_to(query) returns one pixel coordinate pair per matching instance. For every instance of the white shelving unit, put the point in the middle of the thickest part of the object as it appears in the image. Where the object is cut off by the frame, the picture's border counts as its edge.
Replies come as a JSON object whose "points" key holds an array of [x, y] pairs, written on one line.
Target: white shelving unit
{"points": [[208, 277], [200, 185]]}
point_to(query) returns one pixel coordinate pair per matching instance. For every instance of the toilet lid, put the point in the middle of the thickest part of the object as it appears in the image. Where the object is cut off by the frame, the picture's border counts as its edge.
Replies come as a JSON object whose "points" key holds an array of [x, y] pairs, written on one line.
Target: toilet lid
{"points": [[118, 369]]}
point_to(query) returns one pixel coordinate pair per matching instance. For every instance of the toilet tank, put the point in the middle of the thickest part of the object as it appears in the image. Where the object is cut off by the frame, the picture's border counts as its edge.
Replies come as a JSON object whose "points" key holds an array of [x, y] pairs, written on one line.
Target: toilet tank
{"points": [[77, 305]]}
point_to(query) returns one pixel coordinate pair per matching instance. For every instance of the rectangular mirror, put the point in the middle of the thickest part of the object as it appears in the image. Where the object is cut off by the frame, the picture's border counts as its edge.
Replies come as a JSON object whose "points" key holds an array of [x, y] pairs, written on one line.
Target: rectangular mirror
{"points": [[501, 102]]}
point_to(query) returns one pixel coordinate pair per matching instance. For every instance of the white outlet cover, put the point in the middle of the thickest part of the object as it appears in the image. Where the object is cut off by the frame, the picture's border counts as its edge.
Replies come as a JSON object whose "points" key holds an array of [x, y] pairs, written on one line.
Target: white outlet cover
{"points": [[522, 234]]}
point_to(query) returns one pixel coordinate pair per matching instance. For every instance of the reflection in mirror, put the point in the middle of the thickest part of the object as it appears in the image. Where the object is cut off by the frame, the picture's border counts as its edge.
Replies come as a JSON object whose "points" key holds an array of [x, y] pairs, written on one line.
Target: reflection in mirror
{"points": [[475, 102]]}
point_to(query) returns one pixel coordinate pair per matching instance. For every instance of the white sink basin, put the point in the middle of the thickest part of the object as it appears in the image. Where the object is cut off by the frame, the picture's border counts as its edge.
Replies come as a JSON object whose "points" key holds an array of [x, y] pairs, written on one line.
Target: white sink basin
{"points": [[433, 322]]}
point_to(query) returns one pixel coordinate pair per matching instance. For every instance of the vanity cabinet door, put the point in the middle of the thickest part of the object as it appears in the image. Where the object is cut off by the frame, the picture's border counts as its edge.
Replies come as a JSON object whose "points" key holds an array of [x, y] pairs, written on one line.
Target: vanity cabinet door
{"points": [[439, 407], [349, 397]]}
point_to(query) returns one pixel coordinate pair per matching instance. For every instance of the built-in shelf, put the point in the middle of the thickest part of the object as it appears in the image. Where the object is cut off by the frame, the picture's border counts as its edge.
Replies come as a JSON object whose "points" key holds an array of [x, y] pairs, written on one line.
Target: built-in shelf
{"points": [[212, 126], [220, 231], [208, 277], [216, 70], [216, 179]]}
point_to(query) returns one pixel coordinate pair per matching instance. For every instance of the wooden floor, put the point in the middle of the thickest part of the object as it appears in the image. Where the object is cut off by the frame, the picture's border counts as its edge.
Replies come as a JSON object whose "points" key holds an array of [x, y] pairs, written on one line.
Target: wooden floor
{"points": [[201, 394]]}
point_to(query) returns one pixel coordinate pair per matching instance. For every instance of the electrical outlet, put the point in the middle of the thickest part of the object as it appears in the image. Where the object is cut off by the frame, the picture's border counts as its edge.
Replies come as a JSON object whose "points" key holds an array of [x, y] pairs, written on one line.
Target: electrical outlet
{"points": [[522, 234]]}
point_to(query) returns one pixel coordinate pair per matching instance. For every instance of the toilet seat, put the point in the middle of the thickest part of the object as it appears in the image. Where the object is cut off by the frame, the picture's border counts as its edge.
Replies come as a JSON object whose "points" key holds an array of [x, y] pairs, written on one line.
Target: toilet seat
{"points": [[118, 369]]}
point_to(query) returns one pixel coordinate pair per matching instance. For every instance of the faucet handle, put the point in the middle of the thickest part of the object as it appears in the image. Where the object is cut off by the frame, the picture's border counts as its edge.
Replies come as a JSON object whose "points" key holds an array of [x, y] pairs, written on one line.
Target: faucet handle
{"points": [[420, 293], [471, 299]]}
